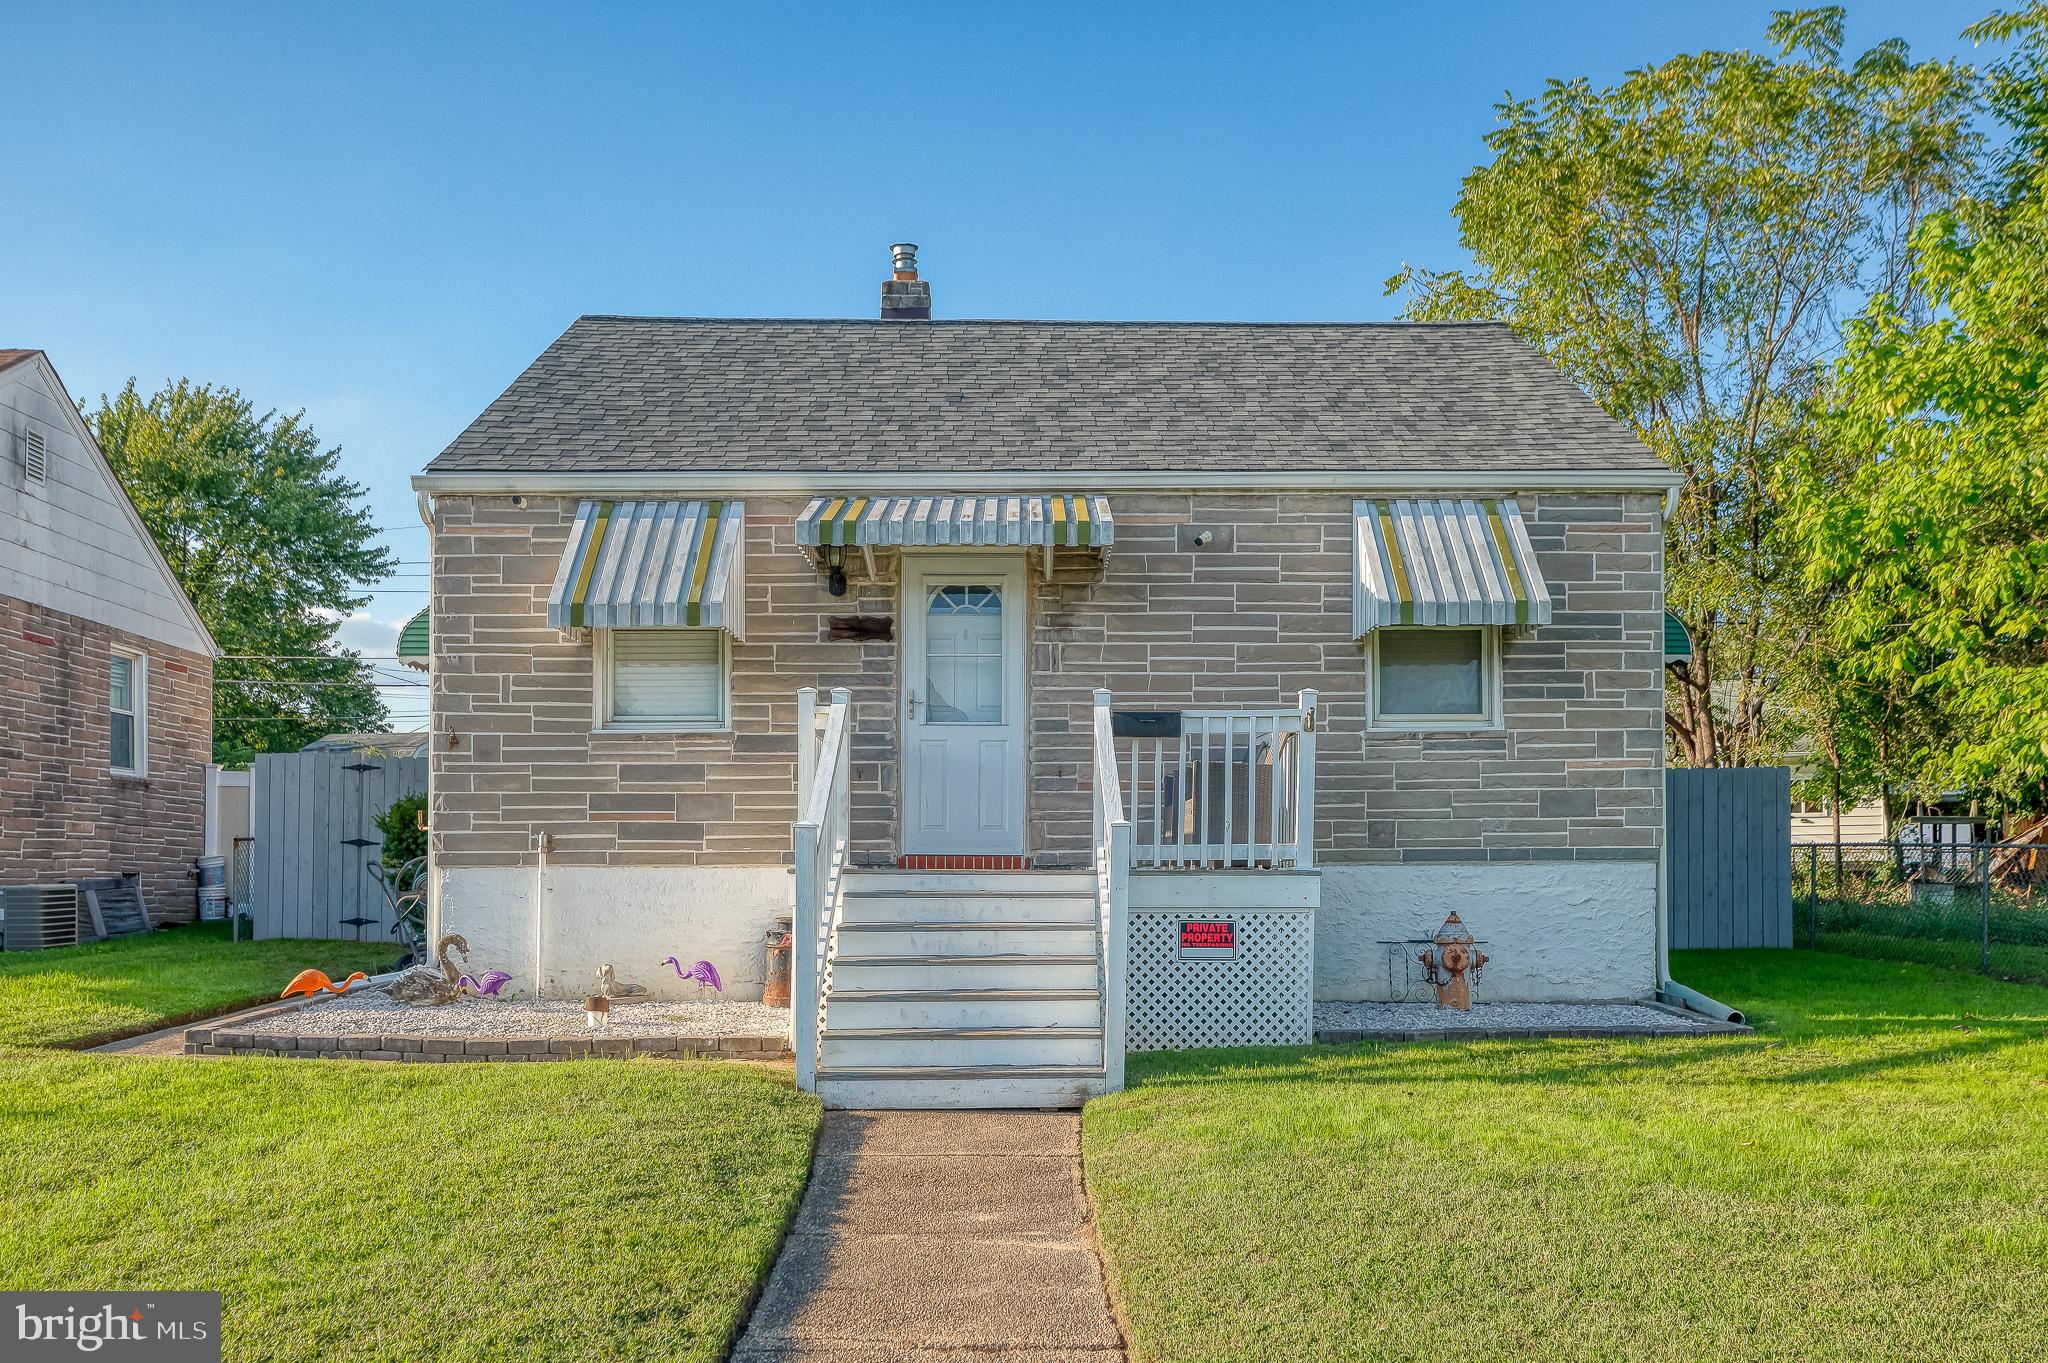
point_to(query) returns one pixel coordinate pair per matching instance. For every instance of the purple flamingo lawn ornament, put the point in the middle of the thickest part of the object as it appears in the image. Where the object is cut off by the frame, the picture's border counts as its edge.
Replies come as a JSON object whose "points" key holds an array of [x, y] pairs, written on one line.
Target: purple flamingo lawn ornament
{"points": [[703, 972], [491, 983]]}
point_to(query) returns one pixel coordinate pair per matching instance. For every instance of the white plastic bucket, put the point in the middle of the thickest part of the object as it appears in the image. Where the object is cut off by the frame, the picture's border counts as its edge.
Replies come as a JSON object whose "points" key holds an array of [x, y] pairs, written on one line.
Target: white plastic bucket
{"points": [[213, 871], [213, 903]]}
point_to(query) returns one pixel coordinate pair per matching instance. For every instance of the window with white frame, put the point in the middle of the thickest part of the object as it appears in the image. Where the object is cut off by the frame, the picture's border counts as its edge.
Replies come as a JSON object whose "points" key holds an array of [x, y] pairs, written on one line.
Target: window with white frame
{"points": [[1435, 677], [663, 679], [128, 713]]}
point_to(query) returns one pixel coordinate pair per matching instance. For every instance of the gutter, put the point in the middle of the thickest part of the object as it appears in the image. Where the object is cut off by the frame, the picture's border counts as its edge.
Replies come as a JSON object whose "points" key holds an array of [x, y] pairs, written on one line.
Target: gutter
{"points": [[1349, 481]]}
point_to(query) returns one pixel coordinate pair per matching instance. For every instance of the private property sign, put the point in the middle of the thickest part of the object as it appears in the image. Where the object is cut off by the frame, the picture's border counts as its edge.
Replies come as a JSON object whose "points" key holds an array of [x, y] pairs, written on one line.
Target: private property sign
{"points": [[1208, 939]]}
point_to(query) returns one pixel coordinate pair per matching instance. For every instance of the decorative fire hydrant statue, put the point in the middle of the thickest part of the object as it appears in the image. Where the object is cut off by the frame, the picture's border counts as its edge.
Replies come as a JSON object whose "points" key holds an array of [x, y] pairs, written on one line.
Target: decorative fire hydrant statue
{"points": [[1452, 964]]}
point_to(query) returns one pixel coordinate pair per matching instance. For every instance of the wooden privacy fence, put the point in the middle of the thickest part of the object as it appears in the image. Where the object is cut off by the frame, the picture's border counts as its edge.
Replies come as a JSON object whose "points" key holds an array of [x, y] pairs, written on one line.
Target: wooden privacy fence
{"points": [[1729, 832], [314, 815]]}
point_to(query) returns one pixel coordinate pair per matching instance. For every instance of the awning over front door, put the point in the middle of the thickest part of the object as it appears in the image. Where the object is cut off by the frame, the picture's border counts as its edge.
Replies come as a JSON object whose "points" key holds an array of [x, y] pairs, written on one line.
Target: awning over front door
{"points": [[1444, 562], [652, 565], [1027, 520]]}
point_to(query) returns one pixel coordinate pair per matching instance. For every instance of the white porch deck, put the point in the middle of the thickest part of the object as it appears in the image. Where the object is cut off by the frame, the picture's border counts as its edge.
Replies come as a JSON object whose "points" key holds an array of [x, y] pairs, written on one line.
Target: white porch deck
{"points": [[1014, 989]]}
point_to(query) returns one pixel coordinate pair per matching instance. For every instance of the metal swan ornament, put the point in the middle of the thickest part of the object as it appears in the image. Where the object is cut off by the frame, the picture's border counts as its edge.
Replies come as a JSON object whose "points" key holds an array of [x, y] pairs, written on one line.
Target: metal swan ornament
{"points": [[311, 982], [703, 972], [430, 984]]}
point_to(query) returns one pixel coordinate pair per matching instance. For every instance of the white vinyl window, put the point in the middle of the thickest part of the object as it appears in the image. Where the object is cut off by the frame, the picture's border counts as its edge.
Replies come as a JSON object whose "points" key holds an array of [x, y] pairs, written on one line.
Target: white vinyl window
{"points": [[663, 679], [128, 713], [1435, 678]]}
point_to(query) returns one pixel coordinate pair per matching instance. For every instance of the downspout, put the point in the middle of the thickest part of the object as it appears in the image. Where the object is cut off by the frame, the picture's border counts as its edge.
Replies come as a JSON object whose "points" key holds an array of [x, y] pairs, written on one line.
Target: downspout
{"points": [[541, 843], [1669, 990], [423, 503]]}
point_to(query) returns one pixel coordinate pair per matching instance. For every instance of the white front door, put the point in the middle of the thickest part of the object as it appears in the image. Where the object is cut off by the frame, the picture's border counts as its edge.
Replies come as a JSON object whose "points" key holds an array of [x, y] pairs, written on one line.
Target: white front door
{"points": [[963, 703]]}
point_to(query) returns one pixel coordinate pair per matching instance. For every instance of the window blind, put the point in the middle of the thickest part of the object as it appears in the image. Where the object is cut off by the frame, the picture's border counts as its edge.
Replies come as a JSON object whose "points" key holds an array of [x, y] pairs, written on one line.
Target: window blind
{"points": [[121, 705], [666, 676], [1431, 672]]}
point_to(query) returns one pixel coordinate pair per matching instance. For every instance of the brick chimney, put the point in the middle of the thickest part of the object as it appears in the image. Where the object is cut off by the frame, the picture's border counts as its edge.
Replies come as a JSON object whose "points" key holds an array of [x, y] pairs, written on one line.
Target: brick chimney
{"points": [[905, 297]]}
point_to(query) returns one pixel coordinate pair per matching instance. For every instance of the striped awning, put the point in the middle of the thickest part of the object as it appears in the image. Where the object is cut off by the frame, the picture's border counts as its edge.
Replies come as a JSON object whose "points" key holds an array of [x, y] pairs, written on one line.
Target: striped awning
{"points": [[1025, 520], [651, 565], [1444, 562]]}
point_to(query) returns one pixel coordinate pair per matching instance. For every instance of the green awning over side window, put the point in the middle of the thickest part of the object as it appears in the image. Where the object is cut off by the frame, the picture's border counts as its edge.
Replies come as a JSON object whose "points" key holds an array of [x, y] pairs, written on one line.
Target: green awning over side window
{"points": [[414, 641], [1677, 639]]}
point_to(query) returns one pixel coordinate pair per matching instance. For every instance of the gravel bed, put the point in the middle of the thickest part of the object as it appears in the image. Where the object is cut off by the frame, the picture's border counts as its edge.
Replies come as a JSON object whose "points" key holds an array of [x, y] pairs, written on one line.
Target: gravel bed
{"points": [[1516, 1017], [377, 1014]]}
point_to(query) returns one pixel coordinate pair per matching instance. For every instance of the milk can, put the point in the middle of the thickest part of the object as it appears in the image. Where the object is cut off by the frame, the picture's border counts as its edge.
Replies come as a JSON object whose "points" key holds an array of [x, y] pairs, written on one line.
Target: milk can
{"points": [[776, 992]]}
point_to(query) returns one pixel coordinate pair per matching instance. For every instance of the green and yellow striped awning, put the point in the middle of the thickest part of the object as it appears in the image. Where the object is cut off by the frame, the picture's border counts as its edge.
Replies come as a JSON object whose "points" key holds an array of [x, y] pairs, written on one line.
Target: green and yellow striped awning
{"points": [[653, 565], [1019, 520], [1444, 562]]}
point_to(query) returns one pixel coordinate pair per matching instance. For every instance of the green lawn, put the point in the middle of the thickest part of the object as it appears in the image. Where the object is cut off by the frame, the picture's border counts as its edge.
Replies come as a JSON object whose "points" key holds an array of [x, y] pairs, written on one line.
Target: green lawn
{"points": [[1867, 1178], [586, 1211], [74, 996]]}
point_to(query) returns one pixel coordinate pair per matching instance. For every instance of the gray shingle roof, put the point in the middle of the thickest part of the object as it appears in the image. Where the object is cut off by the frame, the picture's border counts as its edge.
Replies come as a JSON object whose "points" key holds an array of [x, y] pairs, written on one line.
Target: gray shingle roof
{"points": [[660, 394]]}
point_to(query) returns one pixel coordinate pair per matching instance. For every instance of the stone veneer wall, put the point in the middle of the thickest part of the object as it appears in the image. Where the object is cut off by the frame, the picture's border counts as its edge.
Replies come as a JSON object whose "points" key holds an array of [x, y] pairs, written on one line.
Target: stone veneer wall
{"points": [[63, 814], [1263, 610]]}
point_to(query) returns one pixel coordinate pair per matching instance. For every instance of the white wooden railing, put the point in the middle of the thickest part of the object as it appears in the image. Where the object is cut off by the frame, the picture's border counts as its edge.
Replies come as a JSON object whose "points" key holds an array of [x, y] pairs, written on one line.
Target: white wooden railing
{"points": [[1112, 893], [1234, 788], [818, 841]]}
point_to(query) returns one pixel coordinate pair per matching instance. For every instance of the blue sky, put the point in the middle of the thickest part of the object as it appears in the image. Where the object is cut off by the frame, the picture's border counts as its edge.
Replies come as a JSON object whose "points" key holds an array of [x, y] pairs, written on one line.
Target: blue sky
{"points": [[381, 213]]}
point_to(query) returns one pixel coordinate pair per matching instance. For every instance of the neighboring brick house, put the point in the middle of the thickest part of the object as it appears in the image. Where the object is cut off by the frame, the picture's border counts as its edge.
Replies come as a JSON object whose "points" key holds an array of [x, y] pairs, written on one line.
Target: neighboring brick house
{"points": [[106, 673], [667, 526]]}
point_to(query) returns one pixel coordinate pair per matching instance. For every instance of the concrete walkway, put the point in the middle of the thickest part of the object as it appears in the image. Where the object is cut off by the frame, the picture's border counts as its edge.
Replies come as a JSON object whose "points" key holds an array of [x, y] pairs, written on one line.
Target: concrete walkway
{"points": [[930, 1236], [171, 1040]]}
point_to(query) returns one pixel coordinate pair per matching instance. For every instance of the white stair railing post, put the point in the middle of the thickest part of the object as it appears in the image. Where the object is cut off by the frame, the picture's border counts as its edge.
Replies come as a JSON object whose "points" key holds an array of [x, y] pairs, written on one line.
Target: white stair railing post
{"points": [[806, 745], [1305, 786], [803, 962], [1113, 889], [819, 849], [1115, 954]]}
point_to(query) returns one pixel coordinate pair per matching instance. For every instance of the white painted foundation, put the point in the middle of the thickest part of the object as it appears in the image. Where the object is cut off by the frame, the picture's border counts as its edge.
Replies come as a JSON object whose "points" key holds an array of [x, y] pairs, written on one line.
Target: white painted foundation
{"points": [[1563, 931], [629, 916]]}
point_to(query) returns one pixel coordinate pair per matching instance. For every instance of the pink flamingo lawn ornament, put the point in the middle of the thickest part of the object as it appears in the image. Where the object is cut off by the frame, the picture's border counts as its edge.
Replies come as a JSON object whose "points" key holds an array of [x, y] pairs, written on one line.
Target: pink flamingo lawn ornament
{"points": [[703, 972], [491, 983]]}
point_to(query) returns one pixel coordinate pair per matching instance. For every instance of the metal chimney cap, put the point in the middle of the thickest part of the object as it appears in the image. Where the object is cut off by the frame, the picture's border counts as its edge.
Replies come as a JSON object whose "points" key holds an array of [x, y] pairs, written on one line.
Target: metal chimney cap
{"points": [[904, 254]]}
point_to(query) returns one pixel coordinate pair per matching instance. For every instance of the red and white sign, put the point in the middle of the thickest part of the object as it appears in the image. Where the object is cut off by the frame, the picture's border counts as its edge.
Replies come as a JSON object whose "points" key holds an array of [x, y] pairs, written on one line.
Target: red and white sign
{"points": [[1208, 939]]}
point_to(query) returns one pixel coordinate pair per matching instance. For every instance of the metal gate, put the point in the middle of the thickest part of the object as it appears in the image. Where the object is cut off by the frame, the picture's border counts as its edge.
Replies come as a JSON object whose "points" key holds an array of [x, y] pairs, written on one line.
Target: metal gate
{"points": [[1729, 832], [314, 815]]}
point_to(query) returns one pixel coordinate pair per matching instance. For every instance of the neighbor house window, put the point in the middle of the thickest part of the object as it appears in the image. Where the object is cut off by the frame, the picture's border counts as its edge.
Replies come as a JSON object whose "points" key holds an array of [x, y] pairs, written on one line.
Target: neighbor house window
{"points": [[1434, 677], [128, 713], [664, 679]]}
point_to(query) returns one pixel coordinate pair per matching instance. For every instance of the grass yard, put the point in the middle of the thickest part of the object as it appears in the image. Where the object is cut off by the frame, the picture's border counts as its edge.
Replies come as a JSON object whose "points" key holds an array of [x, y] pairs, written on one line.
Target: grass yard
{"points": [[83, 995], [588, 1211], [1865, 1179]]}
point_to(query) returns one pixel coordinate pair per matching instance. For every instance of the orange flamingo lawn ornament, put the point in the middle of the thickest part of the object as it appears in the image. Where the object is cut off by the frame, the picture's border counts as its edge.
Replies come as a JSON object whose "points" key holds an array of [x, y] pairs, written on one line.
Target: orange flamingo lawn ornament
{"points": [[313, 981]]}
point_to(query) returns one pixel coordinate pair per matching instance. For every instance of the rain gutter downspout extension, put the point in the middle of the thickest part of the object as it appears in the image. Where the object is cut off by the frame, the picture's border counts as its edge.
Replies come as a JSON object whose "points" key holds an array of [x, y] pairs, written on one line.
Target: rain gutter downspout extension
{"points": [[1693, 1001], [542, 842]]}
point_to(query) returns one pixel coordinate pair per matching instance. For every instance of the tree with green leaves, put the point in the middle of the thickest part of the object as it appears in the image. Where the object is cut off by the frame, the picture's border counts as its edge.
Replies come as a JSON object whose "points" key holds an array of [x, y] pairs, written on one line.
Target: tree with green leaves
{"points": [[1924, 516], [1683, 243], [271, 543]]}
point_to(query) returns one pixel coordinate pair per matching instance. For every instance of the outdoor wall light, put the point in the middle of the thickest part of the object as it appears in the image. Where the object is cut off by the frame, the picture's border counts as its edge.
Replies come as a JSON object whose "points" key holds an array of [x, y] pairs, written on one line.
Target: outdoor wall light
{"points": [[835, 570]]}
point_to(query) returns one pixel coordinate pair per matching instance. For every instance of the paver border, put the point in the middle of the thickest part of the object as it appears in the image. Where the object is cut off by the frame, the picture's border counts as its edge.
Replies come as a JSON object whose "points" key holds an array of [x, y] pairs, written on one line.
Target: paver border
{"points": [[477, 1049], [1345, 1036]]}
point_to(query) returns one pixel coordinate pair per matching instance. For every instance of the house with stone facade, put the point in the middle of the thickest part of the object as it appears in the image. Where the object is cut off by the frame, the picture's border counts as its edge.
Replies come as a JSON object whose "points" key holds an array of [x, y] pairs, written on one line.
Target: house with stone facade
{"points": [[106, 672], [1071, 687]]}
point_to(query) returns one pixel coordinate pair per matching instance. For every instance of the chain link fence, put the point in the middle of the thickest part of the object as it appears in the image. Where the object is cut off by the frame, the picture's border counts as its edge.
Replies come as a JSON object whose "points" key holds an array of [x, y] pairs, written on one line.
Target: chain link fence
{"points": [[1979, 906]]}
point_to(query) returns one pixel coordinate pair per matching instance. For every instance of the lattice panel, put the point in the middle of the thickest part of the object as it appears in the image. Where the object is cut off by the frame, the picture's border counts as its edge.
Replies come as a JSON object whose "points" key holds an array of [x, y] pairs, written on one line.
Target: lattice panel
{"points": [[1264, 997]]}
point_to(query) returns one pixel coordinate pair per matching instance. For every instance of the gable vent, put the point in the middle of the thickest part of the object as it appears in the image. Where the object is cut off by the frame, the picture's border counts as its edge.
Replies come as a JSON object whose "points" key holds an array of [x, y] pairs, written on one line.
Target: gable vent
{"points": [[35, 455]]}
